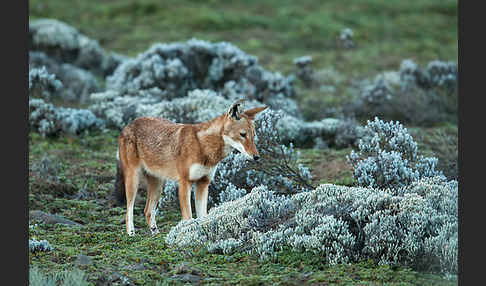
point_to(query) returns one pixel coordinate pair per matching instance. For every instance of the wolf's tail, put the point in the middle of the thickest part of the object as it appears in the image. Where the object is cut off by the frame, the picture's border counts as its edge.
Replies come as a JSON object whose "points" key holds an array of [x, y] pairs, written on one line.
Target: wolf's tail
{"points": [[119, 190]]}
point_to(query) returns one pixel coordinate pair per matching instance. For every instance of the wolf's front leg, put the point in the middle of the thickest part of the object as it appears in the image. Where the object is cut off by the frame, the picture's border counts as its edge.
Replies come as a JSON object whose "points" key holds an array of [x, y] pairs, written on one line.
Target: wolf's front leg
{"points": [[185, 199], [202, 197]]}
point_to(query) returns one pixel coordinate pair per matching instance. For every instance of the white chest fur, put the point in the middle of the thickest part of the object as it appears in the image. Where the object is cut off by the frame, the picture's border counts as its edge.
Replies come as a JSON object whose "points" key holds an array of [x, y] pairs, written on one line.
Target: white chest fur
{"points": [[197, 171]]}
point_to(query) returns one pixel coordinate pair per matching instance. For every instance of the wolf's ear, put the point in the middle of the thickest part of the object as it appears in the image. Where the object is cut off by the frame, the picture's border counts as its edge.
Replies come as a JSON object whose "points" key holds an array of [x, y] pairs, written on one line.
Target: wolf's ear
{"points": [[234, 111], [252, 112]]}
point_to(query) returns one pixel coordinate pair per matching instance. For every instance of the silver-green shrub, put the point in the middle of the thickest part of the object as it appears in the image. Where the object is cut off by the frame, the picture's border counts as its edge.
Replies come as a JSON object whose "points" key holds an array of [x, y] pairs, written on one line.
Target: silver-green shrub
{"points": [[73, 277], [415, 226], [413, 95], [304, 72], [177, 68], [346, 38], [197, 106], [278, 168], [78, 83], [42, 245], [43, 117], [388, 157], [42, 83], [202, 105], [66, 44], [50, 121], [443, 74]]}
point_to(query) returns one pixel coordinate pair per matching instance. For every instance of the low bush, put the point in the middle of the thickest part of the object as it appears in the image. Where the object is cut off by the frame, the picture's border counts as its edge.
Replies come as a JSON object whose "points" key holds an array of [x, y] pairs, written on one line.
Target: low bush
{"points": [[74, 277], [35, 245], [420, 97], [66, 44], [169, 71], [202, 105], [77, 83], [42, 83], [388, 157], [415, 226], [51, 121]]}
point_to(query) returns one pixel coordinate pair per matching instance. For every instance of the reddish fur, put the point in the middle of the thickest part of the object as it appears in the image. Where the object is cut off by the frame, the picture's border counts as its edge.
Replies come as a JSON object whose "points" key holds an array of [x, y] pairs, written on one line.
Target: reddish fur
{"points": [[155, 149]]}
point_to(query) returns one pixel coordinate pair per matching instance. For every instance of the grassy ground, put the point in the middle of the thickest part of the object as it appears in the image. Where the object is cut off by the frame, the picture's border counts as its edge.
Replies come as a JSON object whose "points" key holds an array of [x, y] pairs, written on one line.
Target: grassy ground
{"points": [[73, 177]]}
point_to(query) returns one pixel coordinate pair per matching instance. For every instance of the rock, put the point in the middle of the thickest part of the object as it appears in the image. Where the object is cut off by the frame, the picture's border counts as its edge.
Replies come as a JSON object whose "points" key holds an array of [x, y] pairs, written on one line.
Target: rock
{"points": [[137, 266], [185, 273], [184, 268], [117, 278], [191, 278], [51, 219], [83, 260]]}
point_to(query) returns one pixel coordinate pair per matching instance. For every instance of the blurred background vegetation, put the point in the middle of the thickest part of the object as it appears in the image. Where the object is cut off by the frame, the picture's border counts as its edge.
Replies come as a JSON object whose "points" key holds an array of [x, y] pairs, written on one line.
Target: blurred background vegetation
{"points": [[276, 31]]}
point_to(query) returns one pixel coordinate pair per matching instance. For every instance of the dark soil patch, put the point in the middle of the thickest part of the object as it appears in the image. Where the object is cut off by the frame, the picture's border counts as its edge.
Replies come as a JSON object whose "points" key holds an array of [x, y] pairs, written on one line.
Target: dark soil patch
{"points": [[51, 186]]}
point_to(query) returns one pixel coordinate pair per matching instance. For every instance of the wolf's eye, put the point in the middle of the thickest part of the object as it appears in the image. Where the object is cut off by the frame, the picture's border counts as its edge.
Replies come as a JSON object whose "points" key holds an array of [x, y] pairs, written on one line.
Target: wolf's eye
{"points": [[243, 135]]}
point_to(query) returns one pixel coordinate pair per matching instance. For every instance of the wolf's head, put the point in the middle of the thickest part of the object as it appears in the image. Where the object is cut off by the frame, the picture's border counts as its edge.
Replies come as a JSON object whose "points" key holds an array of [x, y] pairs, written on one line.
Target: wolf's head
{"points": [[239, 130]]}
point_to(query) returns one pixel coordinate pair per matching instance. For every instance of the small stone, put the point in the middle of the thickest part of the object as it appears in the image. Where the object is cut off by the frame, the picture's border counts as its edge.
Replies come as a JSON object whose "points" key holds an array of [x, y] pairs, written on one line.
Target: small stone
{"points": [[83, 260], [50, 218], [137, 266], [191, 278]]}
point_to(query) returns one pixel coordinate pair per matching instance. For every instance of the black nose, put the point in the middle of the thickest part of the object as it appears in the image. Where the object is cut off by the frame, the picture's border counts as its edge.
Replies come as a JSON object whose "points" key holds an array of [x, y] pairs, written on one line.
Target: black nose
{"points": [[256, 157]]}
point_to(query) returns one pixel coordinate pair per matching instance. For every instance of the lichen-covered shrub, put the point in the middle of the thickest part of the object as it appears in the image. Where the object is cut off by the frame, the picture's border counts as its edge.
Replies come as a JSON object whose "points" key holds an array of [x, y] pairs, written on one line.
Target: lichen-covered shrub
{"points": [[42, 83], [259, 209], [51, 121], [411, 95], [197, 106], [442, 74], [171, 70], [43, 117], [328, 96], [443, 143], [415, 226], [378, 92], [73, 277], [436, 74], [42, 245], [78, 83], [66, 44], [388, 157], [346, 38], [347, 133], [277, 169], [203, 105], [304, 72]]}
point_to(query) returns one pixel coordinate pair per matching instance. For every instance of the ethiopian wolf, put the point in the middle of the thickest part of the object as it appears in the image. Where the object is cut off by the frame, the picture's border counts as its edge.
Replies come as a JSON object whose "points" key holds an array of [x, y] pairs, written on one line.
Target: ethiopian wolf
{"points": [[152, 150]]}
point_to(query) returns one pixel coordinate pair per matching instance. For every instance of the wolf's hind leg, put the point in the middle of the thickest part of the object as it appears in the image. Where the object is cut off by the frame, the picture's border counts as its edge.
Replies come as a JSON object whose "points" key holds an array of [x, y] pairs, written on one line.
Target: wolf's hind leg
{"points": [[154, 189], [131, 187]]}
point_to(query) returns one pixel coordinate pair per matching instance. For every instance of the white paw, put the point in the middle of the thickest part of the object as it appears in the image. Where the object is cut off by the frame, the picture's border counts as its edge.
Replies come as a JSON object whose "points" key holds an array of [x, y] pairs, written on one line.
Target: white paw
{"points": [[154, 230], [131, 233]]}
